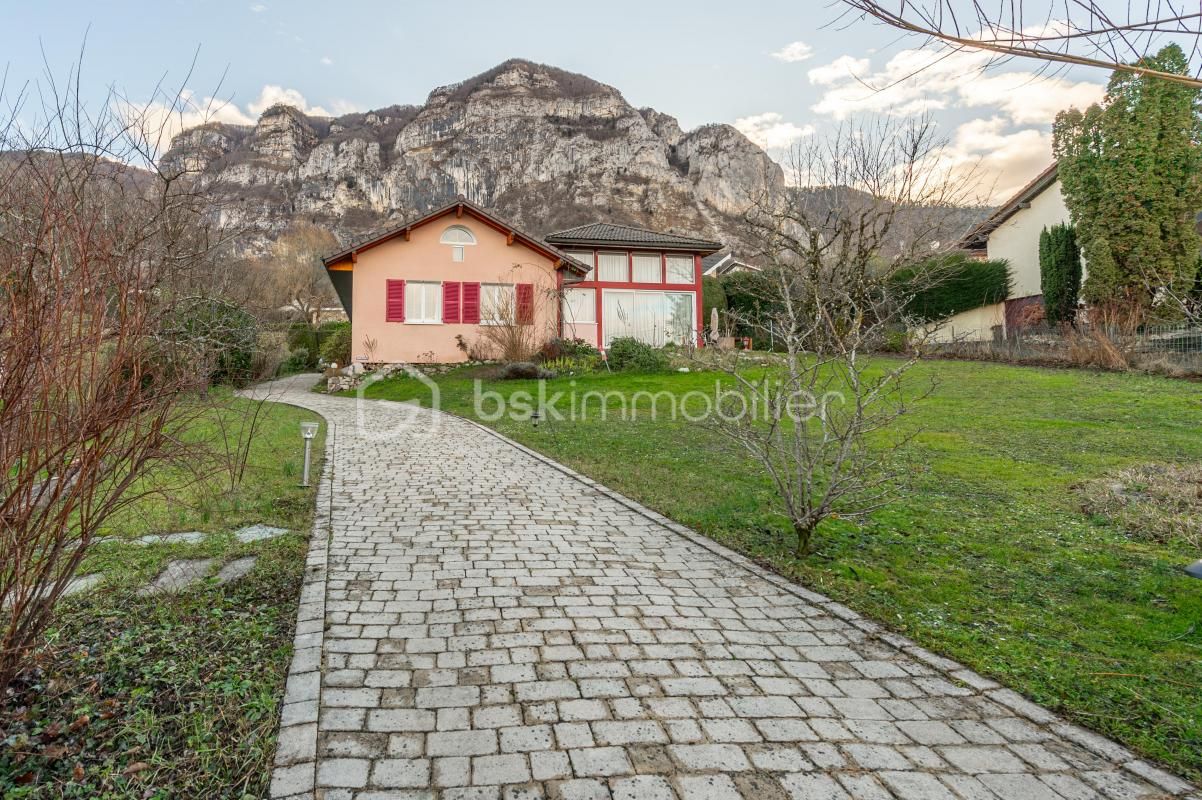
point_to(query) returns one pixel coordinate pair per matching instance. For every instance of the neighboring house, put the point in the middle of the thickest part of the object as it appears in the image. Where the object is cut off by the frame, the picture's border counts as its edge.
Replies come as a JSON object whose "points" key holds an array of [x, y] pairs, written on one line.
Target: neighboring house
{"points": [[724, 262], [1011, 233], [422, 291], [642, 284]]}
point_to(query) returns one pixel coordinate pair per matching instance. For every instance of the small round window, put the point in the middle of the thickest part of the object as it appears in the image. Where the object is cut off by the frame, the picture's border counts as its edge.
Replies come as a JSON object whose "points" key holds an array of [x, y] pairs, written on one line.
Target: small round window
{"points": [[457, 237]]}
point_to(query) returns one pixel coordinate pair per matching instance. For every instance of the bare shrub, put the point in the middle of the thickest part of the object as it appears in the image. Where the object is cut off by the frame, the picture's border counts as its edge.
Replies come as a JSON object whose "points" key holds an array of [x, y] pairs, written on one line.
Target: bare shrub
{"points": [[97, 244], [509, 330]]}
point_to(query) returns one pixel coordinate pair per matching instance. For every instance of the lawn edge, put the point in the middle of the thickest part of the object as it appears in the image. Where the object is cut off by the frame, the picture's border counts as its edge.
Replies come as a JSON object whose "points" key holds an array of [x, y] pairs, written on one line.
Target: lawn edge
{"points": [[958, 673], [294, 764]]}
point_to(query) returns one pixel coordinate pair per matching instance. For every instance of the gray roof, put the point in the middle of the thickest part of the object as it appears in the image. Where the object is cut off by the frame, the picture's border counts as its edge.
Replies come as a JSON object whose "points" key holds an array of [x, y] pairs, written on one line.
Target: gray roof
{"points": [[605, 233], [978, 236], [714, 259]]}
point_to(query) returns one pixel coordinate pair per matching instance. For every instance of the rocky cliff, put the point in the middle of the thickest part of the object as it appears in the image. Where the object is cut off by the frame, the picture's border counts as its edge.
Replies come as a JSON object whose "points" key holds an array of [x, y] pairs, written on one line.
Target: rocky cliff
{"points": [[545, 148]]}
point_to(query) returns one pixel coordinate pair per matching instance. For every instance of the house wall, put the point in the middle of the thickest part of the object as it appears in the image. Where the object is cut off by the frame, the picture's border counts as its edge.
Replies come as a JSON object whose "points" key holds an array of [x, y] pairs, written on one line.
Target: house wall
{"points": [[423, 258], [974, 325], [1017, 239]]}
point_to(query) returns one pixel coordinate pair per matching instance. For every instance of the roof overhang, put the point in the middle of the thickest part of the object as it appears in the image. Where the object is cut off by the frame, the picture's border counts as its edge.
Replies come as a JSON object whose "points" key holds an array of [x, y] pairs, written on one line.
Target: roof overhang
{"points": [[344, 260], [708, 249], [978, 236]]}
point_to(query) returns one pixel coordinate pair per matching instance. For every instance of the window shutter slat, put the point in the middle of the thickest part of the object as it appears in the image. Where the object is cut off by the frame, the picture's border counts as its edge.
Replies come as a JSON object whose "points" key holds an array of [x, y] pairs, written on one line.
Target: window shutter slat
{"points": [[471, 303], [395, 301], [450, 302], [525, 298]]}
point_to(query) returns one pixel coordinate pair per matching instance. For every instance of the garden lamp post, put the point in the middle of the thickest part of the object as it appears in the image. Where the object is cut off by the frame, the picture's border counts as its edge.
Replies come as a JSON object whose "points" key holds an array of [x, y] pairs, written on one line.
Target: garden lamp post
{"points": [[308, 433]]}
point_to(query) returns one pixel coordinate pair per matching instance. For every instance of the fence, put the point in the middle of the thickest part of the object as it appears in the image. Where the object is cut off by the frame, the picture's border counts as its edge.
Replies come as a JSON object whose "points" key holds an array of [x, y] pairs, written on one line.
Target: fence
{"points": [[1170, 349]]}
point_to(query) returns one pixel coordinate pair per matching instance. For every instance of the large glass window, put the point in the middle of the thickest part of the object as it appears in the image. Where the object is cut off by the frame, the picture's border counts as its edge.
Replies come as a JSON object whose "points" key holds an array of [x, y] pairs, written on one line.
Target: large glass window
{"points": [[652, 317], [680, 269], [612, 267], [423, 302], [584, 257], [498, 304], [580, 305], [647, 268]]}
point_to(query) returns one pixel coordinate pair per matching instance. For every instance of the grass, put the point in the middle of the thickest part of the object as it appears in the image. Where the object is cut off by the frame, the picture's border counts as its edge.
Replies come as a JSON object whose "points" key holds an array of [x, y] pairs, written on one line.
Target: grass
{"points": [[986, 557], [171, 695]]}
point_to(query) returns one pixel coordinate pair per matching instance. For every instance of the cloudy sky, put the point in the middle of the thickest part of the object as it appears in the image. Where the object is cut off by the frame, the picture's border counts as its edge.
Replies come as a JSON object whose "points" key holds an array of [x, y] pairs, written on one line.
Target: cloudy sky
{"points": [[778, 70]]}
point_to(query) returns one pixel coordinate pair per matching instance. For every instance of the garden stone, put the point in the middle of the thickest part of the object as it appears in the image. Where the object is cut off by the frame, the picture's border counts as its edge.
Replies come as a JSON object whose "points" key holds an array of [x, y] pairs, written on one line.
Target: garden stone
{"points": [[236, 569], [179, 575], [258, 533], [83, 583], [186, 537]]}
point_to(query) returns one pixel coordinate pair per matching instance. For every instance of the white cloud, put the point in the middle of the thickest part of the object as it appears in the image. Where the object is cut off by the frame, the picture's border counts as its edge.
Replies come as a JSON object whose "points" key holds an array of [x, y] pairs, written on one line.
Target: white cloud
{"points": [[915, 80], [794, 52], [271, 95], [770, 130], [840, 69], [164, 121], [193, 110], [326, 60], [258, 8], [997, 159]]}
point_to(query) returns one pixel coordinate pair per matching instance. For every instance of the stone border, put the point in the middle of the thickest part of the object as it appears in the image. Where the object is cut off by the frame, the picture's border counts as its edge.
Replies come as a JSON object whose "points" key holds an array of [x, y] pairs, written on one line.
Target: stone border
{"points": [[1033, 712], [294, 774]]}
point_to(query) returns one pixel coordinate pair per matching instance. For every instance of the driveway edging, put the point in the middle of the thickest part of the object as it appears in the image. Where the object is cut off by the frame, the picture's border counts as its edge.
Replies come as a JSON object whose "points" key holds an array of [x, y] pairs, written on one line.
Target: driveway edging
{"points": [[294, 771]]}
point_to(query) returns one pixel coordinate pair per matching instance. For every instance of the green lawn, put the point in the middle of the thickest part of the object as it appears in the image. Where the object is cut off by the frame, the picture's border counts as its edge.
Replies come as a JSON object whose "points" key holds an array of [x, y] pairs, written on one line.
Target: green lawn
{"points": [[172, 695], [986, 557]]}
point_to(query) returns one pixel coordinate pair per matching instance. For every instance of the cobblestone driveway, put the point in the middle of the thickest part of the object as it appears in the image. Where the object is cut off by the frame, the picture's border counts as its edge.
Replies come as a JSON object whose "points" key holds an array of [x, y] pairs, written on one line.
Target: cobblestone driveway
{"points": [[479, 622]]}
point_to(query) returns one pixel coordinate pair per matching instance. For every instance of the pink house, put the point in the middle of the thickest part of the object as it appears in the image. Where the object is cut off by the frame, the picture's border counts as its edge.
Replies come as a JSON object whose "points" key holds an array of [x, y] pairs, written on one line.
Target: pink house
{"points": [[423, 292]]}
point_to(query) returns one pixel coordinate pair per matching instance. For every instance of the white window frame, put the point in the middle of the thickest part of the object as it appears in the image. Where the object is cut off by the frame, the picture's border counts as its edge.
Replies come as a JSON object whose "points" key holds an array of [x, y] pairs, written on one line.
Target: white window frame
{"points": [[426, 318], [485, 288], [692, 294], [635, 258], [692, 279], [625, 266], [457, 236], [591, 306], [585, 257]]}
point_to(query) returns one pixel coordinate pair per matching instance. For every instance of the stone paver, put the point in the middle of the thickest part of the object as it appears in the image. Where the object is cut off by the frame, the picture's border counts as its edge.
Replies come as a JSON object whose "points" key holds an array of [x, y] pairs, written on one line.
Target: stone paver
{"points": [[258, 533], [179, 575], [480, 622]]}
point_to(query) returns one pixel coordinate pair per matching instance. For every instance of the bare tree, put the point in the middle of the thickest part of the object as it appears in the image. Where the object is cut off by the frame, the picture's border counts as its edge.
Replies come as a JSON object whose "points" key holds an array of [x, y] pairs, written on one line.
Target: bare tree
{"points": [[95, 241], [1110, 36], [293, 278], [819, 419]]}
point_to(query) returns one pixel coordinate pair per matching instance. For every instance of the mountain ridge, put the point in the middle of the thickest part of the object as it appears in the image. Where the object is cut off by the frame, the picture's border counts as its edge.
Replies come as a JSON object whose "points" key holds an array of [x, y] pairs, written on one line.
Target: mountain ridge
{"points": [[536, 144]]}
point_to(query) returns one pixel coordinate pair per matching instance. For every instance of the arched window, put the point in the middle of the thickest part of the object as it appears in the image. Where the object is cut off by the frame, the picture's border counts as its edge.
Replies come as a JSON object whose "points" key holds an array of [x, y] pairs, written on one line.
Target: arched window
{"points": [[457, 236]]}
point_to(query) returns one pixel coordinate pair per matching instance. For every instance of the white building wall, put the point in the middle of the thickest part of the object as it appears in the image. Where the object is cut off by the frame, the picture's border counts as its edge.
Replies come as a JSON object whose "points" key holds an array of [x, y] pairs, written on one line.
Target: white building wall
{"points": [[1017, 239]]}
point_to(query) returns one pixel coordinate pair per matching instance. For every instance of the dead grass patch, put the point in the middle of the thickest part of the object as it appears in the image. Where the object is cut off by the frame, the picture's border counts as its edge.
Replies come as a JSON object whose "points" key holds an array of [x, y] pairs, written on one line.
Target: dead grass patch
{"points": [[1154, 502]]}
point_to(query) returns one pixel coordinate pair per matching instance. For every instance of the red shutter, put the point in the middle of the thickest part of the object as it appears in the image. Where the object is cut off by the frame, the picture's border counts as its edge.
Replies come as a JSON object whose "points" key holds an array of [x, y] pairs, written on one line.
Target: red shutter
{"points": [[525, 303], [471, 304], [450, 302], [395, 303]]}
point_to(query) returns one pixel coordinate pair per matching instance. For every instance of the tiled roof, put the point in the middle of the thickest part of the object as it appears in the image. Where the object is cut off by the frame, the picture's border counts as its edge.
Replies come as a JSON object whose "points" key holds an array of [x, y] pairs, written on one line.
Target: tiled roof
{"points": [[714, 259], [463, 204], [977, 237], [606, 233]]}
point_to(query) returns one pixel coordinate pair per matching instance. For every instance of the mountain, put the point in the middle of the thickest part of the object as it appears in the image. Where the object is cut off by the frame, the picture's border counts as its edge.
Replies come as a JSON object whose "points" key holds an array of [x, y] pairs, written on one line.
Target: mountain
{"points": [[546, 148]]}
